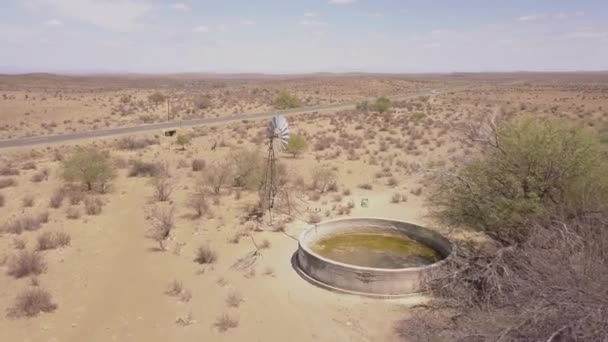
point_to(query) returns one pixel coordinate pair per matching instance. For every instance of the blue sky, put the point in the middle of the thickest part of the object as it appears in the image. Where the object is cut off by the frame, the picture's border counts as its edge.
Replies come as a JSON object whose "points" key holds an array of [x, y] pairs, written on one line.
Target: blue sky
{"points": [[304, 36]]}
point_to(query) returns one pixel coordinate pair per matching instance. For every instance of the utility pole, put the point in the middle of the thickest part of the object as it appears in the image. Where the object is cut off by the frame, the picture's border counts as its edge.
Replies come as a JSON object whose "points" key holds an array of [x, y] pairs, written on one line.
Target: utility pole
{"points": [[168, 109]]}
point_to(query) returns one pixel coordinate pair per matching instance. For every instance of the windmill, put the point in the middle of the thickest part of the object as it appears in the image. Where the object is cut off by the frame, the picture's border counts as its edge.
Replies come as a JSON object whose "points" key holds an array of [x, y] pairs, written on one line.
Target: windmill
{"points": [[277, 133]]}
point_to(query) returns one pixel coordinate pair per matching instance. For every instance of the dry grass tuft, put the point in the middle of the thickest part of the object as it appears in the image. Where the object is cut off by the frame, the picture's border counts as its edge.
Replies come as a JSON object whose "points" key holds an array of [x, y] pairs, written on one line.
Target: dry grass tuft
{"points": [[25, 263], [31, 302], [52, 240], [225, 322], [205, 255]]}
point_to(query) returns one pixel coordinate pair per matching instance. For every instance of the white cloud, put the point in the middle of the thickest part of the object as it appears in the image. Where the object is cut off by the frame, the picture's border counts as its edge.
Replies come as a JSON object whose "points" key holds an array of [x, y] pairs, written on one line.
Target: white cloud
{"points": [[111, 14], [53, 22], [311, 14], [312, 22], [341, 2], [201, 29], [180, 6], [588, 35], [532, 17]]}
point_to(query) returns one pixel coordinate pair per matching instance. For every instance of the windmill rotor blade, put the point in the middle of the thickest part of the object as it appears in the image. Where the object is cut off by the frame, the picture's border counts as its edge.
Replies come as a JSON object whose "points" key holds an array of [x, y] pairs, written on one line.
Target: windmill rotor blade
{"points": [[278, 128]]}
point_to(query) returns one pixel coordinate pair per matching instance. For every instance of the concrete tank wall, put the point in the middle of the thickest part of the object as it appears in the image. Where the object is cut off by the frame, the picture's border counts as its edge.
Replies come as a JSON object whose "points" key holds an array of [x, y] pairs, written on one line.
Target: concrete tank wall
{"points": [[366, 280]]}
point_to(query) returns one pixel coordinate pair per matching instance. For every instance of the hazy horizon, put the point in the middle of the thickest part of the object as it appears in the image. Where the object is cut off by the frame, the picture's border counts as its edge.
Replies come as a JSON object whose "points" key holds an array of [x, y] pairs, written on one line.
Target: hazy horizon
{"points": [[297, 37]]}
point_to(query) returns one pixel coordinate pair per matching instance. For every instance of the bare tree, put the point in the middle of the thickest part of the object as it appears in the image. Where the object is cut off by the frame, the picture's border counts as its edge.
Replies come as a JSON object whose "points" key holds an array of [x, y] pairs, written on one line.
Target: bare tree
{"points": [[163, 187], [163, 221]]}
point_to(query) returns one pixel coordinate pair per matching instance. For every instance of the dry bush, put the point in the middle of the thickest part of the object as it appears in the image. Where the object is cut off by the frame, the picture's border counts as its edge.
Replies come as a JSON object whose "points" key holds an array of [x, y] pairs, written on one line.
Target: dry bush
{"points": [[93, 205], [2, 200], [176, 289], [75, 197], [323, 179], [163, 221], [225, 322], [24, 223], [25, 263], [9, 171], [205, 255], [365, 186], [234, 299], [31, 302], [73, 213], [314, 218], [52, 240], [247, 168], [144, 169], [163, 187], [28, 201], [30, 165], [218, 175], [197, 201], [19, 243], [550, 288], [198, 165], [6, 182], [131, 143], [40, 176]]}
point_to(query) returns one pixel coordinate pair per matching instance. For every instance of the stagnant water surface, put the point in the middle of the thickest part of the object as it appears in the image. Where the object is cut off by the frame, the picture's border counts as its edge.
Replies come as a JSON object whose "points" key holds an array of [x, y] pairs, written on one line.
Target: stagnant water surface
{"points": [[376, 250]]}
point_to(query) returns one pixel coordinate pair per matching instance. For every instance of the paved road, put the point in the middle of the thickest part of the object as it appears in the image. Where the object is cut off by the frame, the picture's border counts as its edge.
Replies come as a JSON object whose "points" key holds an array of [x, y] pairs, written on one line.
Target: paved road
{"points": [[58, 138]]}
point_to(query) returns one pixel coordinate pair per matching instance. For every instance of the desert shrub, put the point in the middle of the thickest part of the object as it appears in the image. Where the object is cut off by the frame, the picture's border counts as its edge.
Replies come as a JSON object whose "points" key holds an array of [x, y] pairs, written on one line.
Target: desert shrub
{"points": [[247, 168], [144, 169], [234, 299], [218, 175], [52, 240], [56, 199], [90, 167], [538, 191], [365, 186], [163, 187], [382, 104], [31, 302], [565, 171], [323, 177], [197, 201], [296, 145], [30, 165], [225, 322], [72, 213], [24, 223], [28, 201], [198, 165], [183, 140], [286, 101], [205, 255], [314, 218], [202, 102], [8, 171], [156, 98], [25, 263], [174, 288], [75, 197], [2, 200], [38, 177], [6, 182], [163, 221], [131, 143], [93, 205]]}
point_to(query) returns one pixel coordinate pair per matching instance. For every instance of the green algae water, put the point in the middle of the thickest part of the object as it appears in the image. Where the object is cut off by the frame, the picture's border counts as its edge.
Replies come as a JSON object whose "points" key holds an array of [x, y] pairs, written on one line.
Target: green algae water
{"points": [[376, 250]]}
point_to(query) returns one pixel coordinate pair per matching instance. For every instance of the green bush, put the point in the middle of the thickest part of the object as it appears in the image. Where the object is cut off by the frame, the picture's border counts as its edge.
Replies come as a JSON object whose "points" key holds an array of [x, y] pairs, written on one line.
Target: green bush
{"points": [[90, 167], [285, 101], [183, 140], [247, 166], [382, 104], [532, 170], [156, 98], [296, 145]]}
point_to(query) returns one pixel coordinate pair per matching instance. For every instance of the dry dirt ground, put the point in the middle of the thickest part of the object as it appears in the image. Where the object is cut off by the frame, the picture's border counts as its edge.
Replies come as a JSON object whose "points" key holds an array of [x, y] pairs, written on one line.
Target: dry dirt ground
{"points": [[110, 282]]}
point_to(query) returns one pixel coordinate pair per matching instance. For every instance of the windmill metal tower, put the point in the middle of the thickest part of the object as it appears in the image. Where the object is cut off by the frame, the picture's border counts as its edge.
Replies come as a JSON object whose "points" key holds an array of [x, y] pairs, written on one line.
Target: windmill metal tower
{"points": [[277, 133]]}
